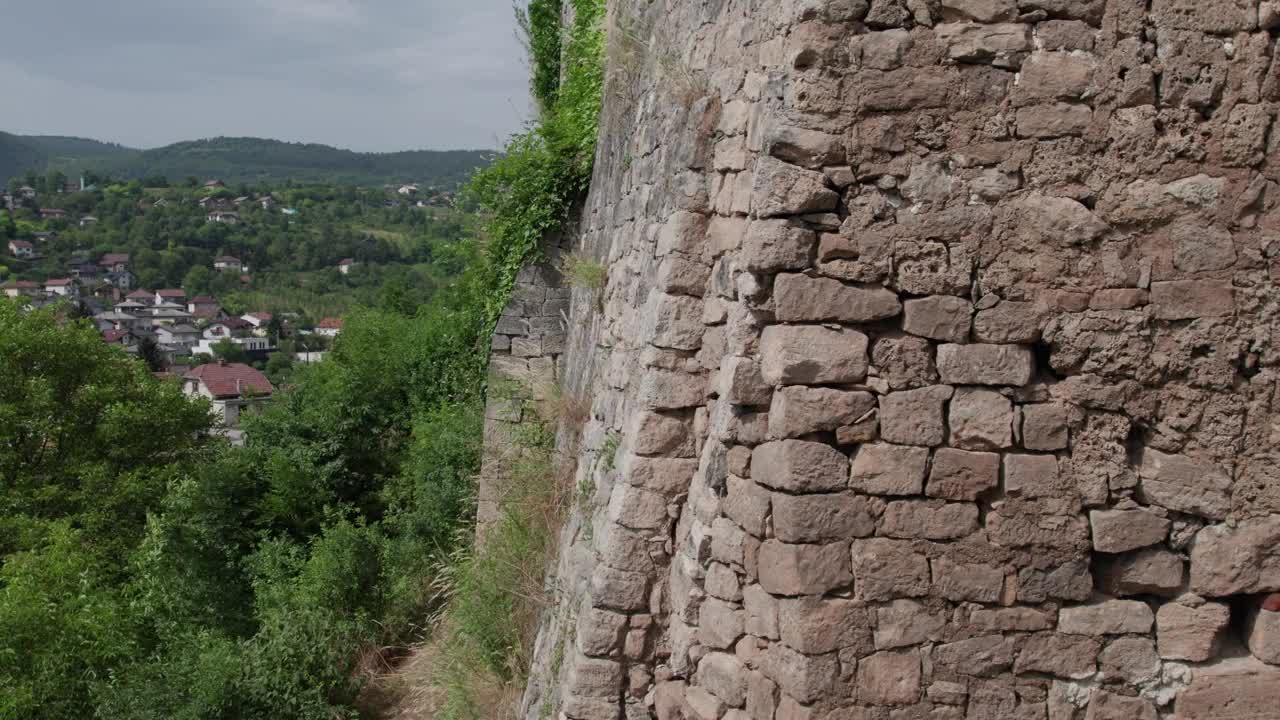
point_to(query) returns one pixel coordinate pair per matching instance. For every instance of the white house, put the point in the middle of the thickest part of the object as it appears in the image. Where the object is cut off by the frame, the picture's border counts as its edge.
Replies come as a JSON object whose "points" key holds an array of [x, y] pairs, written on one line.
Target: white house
{"points": [[329, 327], [231, 387], [227, 263], [60, 286], [21, 249], [408, 189], [345, 265], [17, 288], [223, 216], [181, 335]]}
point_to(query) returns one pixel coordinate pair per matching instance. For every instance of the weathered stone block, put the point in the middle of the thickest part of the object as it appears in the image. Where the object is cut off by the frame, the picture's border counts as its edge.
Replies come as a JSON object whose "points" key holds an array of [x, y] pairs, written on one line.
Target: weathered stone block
{"points": [[1033, 476], [659, 434], [889, 569], [1044, 427], [1117, 531], [1244, 696], [741, 383], [725, 677], [801, 298], [599, 632], [1007, 322], [1184, 484], [983, 11], [822, 517], [747, 504], [1154, 571], [967, 581], [962, 475], [804, 147], [1110, 706], [884, 469], [667, 476], [794, 569], [1107, 617], [815, 626], [679, 275], [799, 466], [773, 245], [890, 678], [1067, 656], [1188, 299], [1011, 619], [928, 519], [1262, 634], [670, 389], [982, 364], [981, 420], [999, 44], [799, 410], [806, 678], [938, 317], [906, 622], [685, 232], [904, 361], [915, 417], [761, 612], [1130, 659], [1191, 633], [812, 355], [983, 656], [779, 188], [1053, 120], [1246, 558], [720, 623], [1220, 18], [619, 589]]}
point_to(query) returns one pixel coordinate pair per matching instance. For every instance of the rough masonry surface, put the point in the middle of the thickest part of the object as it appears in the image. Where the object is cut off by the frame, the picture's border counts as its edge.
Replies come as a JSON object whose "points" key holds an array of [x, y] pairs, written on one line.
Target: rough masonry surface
{"points": [[936, 372]]}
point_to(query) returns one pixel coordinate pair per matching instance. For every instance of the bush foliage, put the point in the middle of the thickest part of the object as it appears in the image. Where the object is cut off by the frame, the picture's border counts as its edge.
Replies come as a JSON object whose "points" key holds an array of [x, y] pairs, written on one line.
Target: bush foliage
{"points": [[150, 570]]}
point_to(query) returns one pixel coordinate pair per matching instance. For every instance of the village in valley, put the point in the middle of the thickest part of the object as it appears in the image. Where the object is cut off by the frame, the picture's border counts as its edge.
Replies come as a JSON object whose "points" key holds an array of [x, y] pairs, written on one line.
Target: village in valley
{"points": [[184, 334]]}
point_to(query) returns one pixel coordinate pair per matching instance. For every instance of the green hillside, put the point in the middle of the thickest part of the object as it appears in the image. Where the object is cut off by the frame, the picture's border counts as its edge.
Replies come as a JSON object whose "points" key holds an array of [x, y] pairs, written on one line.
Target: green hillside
{"points": [[17, 154], [237, 160]]}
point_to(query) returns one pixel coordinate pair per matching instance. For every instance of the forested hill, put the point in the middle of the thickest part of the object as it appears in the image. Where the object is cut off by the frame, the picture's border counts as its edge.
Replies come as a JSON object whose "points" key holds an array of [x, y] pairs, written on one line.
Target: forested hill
{"points": [[237, 160]]}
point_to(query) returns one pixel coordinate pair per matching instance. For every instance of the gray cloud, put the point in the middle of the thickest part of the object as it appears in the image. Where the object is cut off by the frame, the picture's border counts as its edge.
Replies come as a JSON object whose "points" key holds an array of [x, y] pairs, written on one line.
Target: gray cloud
{"points": [[364, 74]]}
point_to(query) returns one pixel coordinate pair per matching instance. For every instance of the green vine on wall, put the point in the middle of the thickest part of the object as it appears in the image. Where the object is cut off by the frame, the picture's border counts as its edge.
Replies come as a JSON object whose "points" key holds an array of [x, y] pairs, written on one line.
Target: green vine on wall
{"points": [[531, 189]]}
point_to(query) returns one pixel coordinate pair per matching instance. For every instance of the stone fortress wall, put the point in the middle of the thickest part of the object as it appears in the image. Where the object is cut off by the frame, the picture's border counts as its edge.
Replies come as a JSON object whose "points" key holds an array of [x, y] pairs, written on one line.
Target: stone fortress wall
{"points": [[935, 377]]}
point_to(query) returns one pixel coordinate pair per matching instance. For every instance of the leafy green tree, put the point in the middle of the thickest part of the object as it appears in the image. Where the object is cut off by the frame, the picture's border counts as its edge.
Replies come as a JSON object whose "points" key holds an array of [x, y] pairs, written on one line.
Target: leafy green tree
{"points": [[229, 351]]}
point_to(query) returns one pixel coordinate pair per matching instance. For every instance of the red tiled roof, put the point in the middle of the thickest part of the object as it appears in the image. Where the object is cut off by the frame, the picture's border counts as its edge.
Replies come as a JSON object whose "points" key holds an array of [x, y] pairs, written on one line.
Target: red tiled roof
{"points": [[139, 294], [114, 336], [203, 300], [59, 282], [231, 379], [331, 323], [20, 284], [234, 323], [113, 258], [171, 293], [265, 317], [346, 261], [20, 243]]}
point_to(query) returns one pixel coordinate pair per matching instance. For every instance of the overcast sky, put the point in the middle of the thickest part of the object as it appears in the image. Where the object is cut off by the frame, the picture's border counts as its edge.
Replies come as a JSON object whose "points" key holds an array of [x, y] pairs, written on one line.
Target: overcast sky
{"points": [[363, 74]]}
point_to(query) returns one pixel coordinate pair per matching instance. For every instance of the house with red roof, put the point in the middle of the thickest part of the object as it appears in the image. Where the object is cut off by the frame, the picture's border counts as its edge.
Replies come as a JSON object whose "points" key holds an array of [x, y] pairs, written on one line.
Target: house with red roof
{"points": [[345, 265], [329, 327], [53, 214], [259, 320], [230, 387], [21, 249], [172, 295], [61, 286], [204, 307], [115, 262], [17, 288]]}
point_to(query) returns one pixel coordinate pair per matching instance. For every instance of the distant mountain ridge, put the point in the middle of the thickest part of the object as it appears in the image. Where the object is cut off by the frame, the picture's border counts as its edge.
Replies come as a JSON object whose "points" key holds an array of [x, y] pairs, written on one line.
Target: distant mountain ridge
{"points": [[235, 160]]}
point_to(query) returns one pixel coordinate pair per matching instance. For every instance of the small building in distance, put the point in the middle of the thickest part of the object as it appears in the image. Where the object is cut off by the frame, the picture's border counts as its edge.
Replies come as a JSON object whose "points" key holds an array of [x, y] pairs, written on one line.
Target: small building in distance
{"points": [[114, 262], [231, 387], [345, 265], [21, 249], [88, 220], [171, 295], [226, 217], [18, 288], [52, 214], [329, 327], [61, 286], [227, 263]]}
